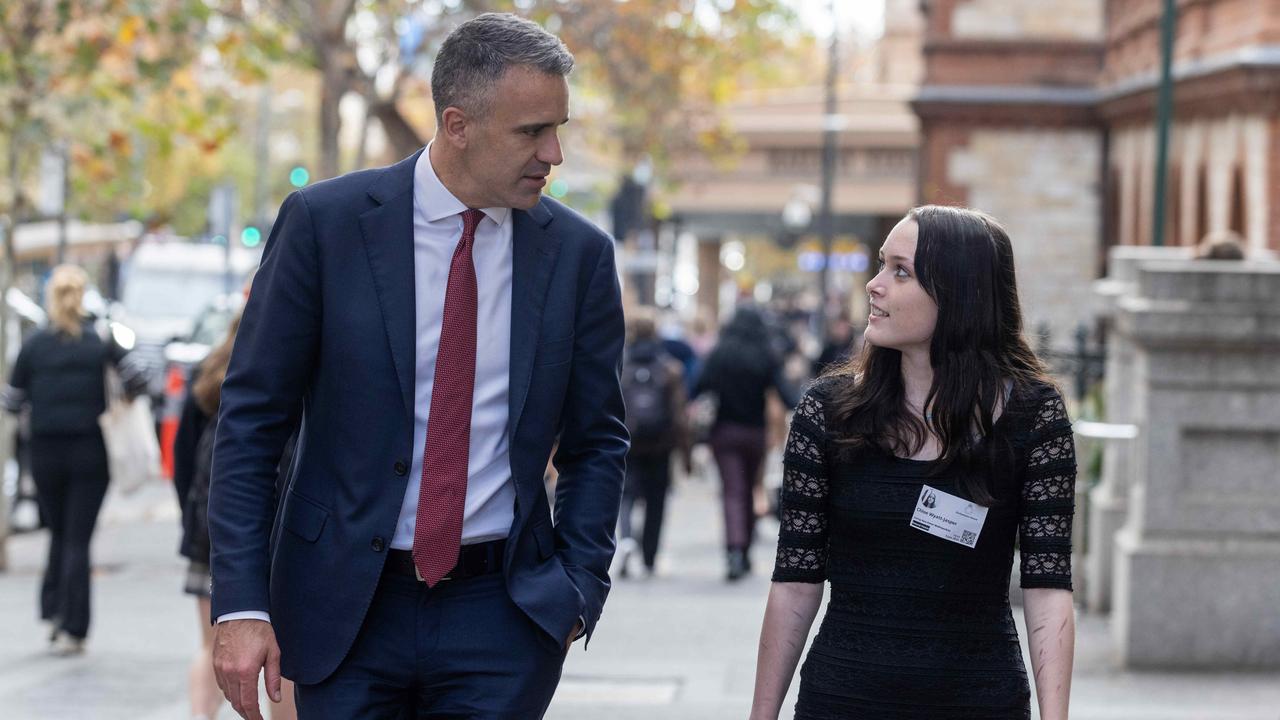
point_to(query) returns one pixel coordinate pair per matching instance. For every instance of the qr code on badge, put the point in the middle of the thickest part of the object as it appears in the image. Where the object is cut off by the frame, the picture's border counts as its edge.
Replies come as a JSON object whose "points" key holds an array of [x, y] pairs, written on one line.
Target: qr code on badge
{"points": [[967, 537]]}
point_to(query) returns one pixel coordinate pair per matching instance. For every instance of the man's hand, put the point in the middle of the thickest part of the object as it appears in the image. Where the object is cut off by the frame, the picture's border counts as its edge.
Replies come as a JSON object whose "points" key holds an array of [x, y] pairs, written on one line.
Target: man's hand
{"points": [[573, 635], [240, 649]]}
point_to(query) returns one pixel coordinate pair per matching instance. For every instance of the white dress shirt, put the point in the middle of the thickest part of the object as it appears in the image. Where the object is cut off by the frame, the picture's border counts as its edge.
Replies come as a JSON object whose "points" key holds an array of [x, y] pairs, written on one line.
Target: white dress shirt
{"points": [[437, 228]]}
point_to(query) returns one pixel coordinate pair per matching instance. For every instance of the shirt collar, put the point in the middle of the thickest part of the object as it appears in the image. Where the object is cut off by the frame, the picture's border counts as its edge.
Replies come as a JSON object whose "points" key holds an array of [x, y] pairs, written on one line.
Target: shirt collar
{"points": [[434, 200]]}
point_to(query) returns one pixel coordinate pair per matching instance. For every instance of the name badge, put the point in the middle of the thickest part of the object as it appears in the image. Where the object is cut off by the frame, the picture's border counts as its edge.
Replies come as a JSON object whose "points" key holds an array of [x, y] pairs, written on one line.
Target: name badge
{"points": [[949, 517]]}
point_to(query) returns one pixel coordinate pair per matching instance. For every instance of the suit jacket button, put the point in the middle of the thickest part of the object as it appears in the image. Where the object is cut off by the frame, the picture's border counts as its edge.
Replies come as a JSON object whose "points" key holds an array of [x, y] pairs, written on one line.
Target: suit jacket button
{"points": [[401, 468], [378, 544]]}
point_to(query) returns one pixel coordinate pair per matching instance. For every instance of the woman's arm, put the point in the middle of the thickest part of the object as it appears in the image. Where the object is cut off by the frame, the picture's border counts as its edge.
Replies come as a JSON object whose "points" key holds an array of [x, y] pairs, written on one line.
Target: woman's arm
{"points": [[787, 619], [1051, 633]]}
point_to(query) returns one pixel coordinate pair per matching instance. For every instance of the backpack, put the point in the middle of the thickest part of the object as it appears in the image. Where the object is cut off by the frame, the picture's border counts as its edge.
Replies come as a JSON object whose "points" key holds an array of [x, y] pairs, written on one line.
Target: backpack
{"points": [[646, 390]]}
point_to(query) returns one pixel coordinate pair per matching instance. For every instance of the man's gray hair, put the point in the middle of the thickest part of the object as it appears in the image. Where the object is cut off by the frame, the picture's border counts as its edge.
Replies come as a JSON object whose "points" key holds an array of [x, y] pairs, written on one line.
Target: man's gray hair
{"points": [[479, 51]]}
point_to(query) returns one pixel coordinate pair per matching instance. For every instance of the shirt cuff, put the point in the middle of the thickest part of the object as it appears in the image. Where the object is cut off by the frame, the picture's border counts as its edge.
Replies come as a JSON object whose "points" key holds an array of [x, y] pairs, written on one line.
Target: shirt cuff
{"points": [[245, 615]]}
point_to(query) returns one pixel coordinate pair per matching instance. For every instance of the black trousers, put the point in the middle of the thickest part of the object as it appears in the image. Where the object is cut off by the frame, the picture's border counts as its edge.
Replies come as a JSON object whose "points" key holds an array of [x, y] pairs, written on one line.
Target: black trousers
{"points": [[648, 477], [70, 473]]}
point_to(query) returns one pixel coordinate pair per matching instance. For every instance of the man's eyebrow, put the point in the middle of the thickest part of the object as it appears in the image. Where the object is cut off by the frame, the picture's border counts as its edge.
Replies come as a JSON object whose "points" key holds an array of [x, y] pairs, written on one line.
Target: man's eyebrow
{"points": [[539, 127]]}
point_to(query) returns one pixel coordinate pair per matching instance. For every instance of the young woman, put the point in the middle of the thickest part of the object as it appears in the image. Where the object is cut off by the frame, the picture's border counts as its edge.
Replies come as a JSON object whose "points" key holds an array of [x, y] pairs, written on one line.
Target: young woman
{"points": [[193, 462], [946, 403], [59, 376]]}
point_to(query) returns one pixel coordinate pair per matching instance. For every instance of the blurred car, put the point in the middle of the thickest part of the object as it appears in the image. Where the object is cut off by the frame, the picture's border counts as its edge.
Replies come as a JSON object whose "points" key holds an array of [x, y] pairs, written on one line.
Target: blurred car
{"points": [[166, 288]]}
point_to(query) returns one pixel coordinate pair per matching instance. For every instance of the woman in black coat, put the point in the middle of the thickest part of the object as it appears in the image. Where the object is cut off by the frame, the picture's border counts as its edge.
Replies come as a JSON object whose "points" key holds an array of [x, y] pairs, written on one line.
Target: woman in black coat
{"points": [[59, 377]]}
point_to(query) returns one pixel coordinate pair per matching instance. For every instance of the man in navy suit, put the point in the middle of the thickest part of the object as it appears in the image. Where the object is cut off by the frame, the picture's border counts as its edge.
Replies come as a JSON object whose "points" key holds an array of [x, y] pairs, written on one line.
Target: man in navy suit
{"points": [[436, 327]]}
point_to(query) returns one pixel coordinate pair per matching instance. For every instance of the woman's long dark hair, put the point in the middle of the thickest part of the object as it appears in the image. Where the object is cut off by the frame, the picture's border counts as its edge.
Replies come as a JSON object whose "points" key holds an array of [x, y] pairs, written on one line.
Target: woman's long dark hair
{"points": [[964, 261]]}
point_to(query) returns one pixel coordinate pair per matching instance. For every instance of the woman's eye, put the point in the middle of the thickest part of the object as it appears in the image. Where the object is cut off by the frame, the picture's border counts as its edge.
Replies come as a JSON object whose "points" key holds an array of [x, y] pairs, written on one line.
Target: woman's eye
{"points": [[879, 265], [901, 273]]}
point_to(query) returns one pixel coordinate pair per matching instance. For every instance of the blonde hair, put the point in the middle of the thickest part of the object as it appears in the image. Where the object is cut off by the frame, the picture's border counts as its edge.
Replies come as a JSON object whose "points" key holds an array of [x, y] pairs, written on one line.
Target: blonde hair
{"points": [[63, 297]]}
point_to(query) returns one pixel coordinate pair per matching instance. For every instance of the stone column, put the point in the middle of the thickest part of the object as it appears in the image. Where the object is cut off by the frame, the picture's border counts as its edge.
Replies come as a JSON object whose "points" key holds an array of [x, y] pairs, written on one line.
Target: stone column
{"points": [[709, 277], [1198, 558], [1108, 500]]}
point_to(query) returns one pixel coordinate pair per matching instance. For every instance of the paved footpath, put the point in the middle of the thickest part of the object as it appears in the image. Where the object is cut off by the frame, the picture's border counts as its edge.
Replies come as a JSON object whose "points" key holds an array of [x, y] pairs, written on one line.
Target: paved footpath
{"points": [[680, 646]]}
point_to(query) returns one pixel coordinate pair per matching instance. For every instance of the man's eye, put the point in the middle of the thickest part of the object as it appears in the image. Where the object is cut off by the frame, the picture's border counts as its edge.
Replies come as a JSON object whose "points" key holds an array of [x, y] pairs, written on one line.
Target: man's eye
{"points": [[533, 132]]}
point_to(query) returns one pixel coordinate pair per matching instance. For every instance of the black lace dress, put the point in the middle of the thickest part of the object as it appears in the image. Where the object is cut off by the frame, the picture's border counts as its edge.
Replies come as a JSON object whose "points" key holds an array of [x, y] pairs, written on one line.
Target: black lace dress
{"points": [[917, 626]]}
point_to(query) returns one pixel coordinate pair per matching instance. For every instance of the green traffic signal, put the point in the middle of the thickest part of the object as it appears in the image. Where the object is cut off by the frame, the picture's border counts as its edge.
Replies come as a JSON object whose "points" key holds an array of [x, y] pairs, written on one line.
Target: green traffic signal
{"points": [[250, 237]]}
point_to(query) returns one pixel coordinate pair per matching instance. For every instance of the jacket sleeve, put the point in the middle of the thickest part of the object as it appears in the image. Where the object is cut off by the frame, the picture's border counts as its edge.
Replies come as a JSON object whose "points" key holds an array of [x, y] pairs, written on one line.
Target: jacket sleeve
{"points": [[593, 441], [262, 395]]}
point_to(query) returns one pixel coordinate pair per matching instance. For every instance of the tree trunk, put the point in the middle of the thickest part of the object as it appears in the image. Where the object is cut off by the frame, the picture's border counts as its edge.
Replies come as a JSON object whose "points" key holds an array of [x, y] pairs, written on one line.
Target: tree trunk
{"points": [[404, 140], [334, 86]]}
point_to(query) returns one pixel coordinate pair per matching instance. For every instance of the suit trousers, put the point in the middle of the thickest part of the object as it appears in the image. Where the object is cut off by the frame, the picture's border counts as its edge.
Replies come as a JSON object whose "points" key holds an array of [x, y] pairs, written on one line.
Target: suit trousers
{"points": [[460, 650], [71, 476]]}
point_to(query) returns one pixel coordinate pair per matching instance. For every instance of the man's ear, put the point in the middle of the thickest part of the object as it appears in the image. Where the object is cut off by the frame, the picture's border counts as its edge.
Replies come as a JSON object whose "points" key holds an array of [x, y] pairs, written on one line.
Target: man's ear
{"points": [[453, 127]]}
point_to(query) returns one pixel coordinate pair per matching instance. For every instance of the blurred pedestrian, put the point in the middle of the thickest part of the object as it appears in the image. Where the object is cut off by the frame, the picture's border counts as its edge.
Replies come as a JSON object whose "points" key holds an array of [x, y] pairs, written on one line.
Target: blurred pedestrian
{"points": [[909, 475], [740, 371], [837, 347], [653, 390], [437, 325], [60, 375], [192, 465]]}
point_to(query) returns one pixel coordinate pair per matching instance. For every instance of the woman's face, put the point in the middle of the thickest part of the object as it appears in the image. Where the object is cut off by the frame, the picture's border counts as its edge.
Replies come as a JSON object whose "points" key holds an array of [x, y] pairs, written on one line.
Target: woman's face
{"points": [[903, 315]]}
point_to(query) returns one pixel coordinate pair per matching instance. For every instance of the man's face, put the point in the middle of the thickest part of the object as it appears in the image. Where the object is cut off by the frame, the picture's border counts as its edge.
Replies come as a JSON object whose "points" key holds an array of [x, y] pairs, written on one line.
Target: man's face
{"points": [[511, 148]]}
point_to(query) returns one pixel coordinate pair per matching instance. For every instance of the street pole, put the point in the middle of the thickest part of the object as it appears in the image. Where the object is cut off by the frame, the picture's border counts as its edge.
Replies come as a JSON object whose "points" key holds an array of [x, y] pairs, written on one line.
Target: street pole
{"points": [[830, 125], [1164, 116]]}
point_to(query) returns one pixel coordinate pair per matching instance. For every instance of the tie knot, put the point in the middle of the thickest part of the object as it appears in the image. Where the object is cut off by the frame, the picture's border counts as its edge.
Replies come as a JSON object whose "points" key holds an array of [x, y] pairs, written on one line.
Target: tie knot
{"points": [[470, 221]]}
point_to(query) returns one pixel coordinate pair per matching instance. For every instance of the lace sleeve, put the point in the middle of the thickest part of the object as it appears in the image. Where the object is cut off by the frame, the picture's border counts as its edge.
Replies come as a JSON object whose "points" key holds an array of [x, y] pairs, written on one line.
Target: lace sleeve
{"points": [[1048, 498], [802, 539]]}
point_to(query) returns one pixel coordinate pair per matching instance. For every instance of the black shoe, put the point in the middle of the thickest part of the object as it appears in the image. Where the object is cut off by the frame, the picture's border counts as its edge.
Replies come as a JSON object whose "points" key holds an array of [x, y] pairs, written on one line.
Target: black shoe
{"points": [[737, 565]]}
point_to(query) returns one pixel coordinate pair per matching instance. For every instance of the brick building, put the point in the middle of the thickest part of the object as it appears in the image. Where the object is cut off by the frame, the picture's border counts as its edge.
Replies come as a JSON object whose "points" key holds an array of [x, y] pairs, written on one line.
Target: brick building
{"points": [[1042, 113]]}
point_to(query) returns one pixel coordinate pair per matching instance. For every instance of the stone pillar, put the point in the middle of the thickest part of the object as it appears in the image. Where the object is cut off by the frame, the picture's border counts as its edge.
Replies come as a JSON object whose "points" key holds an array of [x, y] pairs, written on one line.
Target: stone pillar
{"points": [[709, 278], [1109, 498], [1198, 558]]}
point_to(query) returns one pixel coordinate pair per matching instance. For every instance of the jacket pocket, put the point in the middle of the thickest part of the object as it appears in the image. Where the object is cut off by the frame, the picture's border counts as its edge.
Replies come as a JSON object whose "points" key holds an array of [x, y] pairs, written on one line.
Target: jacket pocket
{"points": [[304, 517], [545, 537]]}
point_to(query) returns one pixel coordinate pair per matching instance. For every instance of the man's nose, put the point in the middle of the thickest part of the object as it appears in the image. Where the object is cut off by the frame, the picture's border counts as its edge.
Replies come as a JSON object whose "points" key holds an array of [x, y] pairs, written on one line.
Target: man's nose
{"points": [[549, 151]]}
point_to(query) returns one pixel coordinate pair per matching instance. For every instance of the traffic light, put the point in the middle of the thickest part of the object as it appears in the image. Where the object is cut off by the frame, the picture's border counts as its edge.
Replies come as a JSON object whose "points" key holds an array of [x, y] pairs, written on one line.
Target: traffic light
{"points": [[299, 177], [250, 237]]}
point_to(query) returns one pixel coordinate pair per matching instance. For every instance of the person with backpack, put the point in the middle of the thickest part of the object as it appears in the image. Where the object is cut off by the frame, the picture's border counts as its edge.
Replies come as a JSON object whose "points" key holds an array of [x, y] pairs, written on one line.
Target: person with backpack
{"points": [[653, 391]]}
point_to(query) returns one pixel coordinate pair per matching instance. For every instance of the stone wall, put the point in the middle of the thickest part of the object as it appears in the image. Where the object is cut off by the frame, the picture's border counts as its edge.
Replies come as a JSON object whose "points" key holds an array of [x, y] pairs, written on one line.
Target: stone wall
{"points": [[1023, 20], [1042, 185]]}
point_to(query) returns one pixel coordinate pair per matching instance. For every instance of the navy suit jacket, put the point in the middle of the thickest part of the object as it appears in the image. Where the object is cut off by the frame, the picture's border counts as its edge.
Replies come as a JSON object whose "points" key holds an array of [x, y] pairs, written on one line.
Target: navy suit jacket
{"points": [[327, 339]]}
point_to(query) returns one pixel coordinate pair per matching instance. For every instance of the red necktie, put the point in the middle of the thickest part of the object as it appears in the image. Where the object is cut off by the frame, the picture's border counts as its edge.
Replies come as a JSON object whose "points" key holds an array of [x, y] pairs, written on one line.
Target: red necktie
{"points": [[437, 537]]}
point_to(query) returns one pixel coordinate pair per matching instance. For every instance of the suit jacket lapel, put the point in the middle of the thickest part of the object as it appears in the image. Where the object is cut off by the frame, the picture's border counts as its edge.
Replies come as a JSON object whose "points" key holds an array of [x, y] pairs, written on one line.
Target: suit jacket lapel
{"points": [[388, 239], [534, 256]]}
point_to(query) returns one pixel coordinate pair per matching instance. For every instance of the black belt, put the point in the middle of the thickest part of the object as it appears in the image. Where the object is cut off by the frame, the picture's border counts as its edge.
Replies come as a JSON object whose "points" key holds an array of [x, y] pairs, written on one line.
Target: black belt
{"points": [[473, 561]]}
